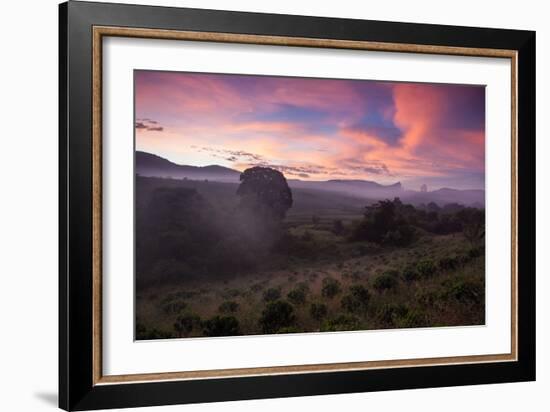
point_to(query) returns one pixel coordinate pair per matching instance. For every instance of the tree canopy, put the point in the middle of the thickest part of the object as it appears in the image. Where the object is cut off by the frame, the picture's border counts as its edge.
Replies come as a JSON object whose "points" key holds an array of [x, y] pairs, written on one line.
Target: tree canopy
{"points": [[265, 190]]}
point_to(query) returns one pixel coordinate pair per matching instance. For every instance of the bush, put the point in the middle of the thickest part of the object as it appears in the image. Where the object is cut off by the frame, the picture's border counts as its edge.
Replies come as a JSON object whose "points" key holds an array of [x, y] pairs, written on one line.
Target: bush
{"points": [[385, 282], [449, 263], [465, 291], [318, 311], [342, 322], [150, 334], [402, 236], [426, 268], [476, 252], [272, 294], [277, 315], [330, 287], [414, 319], [357, 301], [392, 272], [410, 274], [303, 286], [428, 298], [297, 296], [229, 306], [173, 306], [390, 314], [221, 326], [185, 324]]}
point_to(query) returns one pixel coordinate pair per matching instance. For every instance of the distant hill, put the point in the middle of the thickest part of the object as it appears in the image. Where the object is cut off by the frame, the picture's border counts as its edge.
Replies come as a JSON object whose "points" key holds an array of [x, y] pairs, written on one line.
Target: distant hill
{"points": [[445, 195], [358, 188], [150, 165]]}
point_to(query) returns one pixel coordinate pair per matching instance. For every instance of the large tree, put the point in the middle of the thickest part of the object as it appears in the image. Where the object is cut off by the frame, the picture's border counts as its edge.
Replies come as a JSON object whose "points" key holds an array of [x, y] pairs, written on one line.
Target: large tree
{"points": [[265, 191]]}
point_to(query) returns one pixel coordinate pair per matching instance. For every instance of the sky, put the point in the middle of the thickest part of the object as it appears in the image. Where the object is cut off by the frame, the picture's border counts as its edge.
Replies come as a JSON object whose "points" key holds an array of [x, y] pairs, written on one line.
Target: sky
{"points": [[316, 129]]}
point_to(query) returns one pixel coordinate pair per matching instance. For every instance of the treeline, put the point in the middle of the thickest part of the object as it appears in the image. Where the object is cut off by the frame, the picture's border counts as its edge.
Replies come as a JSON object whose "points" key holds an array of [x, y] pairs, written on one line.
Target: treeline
{"points": [[181, 236], [392, 222]]}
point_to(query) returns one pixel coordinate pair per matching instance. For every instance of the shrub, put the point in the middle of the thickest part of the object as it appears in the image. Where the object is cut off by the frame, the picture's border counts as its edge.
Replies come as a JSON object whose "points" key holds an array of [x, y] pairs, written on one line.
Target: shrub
{"points": [[410, 274], [256, 287], [428, 298], [229, 306], [414, 319], [297, 296], [426, 268], [402, 236], [318, 311], [465, 291], [185, 324], [330, 287], [272, 294], [173, 306], [392, 272], [150, 334], [277, 315], [303, 286], [390, 314], [221, 326], [449, 263], [476, 252], [342, 322], [357, 301], [385, 282]]}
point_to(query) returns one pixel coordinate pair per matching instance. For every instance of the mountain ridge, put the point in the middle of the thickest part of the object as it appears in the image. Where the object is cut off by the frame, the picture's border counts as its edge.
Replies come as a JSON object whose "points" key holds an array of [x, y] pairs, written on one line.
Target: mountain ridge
{"points": [[151, 165]]}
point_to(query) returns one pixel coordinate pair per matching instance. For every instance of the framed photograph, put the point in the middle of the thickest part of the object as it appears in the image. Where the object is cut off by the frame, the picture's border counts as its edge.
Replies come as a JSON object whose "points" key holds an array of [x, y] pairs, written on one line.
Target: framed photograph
{"points": [[256, 205]]}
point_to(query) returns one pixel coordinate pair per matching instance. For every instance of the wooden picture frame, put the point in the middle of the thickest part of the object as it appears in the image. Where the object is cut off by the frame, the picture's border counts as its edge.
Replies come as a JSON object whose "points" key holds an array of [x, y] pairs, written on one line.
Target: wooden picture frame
{"points": [[82, 384]]}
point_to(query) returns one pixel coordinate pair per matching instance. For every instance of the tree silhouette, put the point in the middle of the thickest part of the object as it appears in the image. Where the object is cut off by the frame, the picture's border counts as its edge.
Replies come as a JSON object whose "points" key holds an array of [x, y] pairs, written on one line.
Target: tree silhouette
{"points": [[266, 191]]}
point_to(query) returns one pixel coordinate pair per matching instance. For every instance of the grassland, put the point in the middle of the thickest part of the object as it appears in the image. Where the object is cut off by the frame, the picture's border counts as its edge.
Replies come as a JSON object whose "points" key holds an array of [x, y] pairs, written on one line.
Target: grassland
{"points": [[326, 282]]}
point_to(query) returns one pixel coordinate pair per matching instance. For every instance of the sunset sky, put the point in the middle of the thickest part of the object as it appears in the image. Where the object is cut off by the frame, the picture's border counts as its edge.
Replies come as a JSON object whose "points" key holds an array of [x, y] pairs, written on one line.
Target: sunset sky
{"points": [[316, 129]]}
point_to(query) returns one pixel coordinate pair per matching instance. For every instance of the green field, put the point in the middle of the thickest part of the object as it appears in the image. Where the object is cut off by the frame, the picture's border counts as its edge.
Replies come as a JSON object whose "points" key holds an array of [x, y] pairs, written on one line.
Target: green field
{"points": [[316, 278]]}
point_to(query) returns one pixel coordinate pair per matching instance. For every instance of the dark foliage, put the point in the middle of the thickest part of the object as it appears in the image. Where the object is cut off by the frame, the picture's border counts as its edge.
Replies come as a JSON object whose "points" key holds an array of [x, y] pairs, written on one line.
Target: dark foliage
{"points": [[318, 311], [272, 294], [465, 291], [173, 235], [385, 282], [265, 191], [390, 314], [386, 222], [173, 306], [185, 324], [277, 315], [342, 322], [426, 268], [297, 296], [142, 333], [330, 287], [221, 326], [410, 274], [449, 263], [229, 306], [357, 300], [391, 222]]}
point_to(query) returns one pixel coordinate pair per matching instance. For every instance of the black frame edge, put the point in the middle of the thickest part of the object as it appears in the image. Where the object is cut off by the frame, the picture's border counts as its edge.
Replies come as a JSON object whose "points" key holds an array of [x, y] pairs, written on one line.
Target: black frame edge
{"points": [[76, 389], [63, 378]]}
